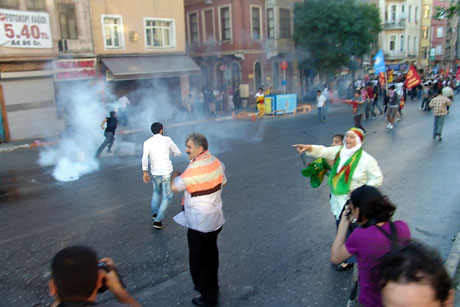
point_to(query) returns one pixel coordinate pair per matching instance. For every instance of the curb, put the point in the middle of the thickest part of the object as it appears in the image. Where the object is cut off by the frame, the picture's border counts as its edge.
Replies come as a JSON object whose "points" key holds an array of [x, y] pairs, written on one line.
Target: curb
{"points": [[454, 257]]}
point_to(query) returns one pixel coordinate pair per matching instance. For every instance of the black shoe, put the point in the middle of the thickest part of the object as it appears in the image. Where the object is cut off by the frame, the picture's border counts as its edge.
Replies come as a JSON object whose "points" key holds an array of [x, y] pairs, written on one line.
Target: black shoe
{"points": [[109, 151], [157, 225], [199, 301], [440, 138], [154, 216], [340, 267]]}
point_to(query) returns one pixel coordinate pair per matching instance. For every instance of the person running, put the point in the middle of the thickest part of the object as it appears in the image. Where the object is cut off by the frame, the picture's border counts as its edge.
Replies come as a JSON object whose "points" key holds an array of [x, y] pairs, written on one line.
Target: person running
{"points": [[157, 151], [439, 106], [109, 133], [393, 106], [358, 109]]}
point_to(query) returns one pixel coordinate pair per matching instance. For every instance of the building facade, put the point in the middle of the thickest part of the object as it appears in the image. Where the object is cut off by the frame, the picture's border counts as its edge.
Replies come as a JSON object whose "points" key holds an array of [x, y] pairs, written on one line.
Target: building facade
{"points": [[242, 44], [140, 42], [400, 38], [438, 39], [29, 35], [425, 34]]}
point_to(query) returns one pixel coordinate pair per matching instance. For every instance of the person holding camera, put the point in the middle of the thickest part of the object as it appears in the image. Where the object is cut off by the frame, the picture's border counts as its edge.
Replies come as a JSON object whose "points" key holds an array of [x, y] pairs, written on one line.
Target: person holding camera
{"points": [[78, 276], [372, 212]]}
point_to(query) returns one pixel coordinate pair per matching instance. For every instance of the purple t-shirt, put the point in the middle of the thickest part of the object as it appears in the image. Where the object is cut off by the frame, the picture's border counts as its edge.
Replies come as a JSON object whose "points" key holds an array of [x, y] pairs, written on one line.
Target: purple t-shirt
{"points": [[369, 245]]}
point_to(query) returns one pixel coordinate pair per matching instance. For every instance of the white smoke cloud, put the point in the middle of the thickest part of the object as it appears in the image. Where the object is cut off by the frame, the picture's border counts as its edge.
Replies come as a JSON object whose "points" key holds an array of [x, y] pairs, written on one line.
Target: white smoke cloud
{"points": [[73, 156]]}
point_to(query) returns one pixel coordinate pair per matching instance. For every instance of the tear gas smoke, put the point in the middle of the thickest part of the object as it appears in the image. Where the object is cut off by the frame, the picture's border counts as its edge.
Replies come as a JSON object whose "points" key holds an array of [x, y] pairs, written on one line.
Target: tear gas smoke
{"points": [[74, 155]]}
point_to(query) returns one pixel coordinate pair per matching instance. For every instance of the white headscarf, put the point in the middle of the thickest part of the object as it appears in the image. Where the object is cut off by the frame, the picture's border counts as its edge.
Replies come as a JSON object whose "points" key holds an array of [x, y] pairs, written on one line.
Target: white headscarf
{"points": [[346, 153]]}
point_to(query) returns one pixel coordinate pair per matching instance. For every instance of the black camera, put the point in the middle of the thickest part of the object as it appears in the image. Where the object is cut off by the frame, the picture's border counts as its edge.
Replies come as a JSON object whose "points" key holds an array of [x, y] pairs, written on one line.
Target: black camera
{"points": [[107, 268]]}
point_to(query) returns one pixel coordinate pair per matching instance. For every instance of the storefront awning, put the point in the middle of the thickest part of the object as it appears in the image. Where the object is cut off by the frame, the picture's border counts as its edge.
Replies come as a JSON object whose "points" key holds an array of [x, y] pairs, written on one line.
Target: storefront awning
{"points": [[146, 67]]}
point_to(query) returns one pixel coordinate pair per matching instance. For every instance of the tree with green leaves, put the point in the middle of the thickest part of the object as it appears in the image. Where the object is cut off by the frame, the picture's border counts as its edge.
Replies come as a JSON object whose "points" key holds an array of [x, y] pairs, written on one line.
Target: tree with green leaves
{"points": [[330, 32]]}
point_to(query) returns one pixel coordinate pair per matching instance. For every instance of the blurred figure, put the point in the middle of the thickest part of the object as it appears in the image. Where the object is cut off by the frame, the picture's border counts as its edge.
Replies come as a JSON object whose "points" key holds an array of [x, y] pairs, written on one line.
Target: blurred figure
{"points": [[414, 276], [321, 105], [109, 133], [77, 275]]}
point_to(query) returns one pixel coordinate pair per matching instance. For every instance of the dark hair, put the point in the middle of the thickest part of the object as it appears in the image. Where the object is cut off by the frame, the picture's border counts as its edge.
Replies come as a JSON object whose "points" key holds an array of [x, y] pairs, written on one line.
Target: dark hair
{"points": [[392, 87], [112, 113], [373, 206], [261, 88], [439, 91], [338, 135], [358, 92], [198, 140], [75, 273], [417, 263], [318, 91], [156, 127]]}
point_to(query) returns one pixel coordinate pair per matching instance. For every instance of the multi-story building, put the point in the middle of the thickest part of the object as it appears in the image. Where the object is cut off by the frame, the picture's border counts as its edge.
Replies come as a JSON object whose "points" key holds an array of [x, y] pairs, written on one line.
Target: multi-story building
{"points": [[242, 44], [29, 34], [140, 41], [438, 39], [425, 33], [400, 37], [451, 54]]}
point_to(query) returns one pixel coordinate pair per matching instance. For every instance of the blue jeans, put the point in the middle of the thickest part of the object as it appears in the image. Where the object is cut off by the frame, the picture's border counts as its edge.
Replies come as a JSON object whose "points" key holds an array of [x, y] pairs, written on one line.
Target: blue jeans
{"points": [[438, 124], [321, 114], [109, 139], [161, 189]]}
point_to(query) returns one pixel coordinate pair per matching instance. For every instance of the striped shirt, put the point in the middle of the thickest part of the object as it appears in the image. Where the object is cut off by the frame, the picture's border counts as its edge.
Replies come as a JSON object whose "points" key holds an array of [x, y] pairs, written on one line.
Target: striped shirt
{"points": [[439, 105]]}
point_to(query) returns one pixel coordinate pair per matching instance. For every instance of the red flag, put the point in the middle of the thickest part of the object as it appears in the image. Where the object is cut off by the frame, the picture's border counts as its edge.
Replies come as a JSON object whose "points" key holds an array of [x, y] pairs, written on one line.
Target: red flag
{"points": [[382, 79], [412, 78], [457, 75]]}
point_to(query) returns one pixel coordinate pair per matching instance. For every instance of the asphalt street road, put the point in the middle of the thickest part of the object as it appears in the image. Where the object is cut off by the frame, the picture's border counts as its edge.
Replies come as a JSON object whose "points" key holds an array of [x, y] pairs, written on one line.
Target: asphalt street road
{"points": [[275, 245]]}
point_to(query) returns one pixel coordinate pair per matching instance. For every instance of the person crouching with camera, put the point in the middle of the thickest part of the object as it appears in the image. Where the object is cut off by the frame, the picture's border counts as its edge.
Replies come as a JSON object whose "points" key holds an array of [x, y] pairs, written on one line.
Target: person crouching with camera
{"points": [[78, 276]]}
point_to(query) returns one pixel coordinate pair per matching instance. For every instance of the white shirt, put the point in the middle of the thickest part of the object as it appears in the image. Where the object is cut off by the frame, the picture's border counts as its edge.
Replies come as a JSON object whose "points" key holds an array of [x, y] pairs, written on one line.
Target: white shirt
{"points": [[157, 150], [201, 213], [321, 100]]}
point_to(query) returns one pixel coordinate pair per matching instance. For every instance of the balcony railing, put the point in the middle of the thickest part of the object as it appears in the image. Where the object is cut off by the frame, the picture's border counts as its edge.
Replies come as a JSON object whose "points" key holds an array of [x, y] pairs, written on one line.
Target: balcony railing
{"points": [[401, 24]]}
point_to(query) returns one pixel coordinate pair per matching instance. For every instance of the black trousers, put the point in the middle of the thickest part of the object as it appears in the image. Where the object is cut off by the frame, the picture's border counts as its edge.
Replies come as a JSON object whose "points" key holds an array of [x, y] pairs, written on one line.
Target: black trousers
{"points": [[204, 262], [357, 119]]}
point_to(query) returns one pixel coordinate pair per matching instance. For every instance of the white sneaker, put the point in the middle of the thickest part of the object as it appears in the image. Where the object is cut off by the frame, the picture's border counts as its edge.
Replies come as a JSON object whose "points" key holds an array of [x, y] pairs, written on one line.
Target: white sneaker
{"points": [[398, 119], [388, 126], [391, 126]]}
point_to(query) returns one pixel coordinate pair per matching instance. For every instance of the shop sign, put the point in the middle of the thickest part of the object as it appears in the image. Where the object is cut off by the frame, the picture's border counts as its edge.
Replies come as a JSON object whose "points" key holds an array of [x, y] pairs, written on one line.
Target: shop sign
{"points": [[74, 69], [21, 29]]}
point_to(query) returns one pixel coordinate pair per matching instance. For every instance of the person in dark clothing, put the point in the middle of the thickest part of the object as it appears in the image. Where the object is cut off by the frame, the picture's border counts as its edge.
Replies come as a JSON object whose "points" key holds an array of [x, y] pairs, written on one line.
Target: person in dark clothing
{"points": [[77, 276], [109, 132]]}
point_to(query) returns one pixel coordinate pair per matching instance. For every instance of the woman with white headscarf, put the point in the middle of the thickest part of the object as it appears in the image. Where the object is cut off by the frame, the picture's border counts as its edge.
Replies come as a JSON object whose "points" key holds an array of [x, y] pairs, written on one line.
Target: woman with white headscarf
{"points": [[352, 168]]}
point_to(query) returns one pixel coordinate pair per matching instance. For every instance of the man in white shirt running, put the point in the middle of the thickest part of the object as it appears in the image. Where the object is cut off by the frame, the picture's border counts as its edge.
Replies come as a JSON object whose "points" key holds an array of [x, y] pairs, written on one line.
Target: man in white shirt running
{"points": [[157, 151]]}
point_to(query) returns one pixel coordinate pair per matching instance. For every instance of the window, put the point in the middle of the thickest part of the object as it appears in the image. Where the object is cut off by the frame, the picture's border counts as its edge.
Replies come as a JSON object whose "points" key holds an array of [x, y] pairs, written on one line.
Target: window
{"points": [[415, 44], [113, 31], [193, 28], [439, 50], [67, 21], [204, 76], [408, 43], [36, 5], [392, 42], [416, 14], [236, 71], [425, 32], [403, 8], [159, 33], [9, 4], [440, 32], [270, 23], [386, 14], [409, 13], [393, 13], [426, 12], [255, 18], [401, 45], [225, 24], [208, 19], [285, 23], [276, 75], [257, 75]]}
